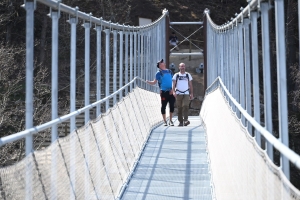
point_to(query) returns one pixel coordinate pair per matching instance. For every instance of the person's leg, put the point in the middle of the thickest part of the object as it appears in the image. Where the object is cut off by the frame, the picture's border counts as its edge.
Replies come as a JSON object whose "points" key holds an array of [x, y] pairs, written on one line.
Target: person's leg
{"points": [[185, 108], [179, 107], [171, 105], [164, 102]]}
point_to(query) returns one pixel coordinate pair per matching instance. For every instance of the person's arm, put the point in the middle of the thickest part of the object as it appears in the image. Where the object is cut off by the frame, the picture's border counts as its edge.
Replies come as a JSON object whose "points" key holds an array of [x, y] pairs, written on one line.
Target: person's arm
{"points": [[191, 90], [173, 87], [152, 82]]}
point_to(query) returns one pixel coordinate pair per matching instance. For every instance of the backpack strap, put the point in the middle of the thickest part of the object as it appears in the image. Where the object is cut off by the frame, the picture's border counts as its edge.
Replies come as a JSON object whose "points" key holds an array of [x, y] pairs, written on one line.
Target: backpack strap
{"points": [[177, 76], [162, 74]]}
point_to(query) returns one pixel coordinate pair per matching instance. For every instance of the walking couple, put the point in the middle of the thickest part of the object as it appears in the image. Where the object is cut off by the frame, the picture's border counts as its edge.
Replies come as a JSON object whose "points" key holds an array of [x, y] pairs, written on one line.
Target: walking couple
{"points": [[171, 86]]}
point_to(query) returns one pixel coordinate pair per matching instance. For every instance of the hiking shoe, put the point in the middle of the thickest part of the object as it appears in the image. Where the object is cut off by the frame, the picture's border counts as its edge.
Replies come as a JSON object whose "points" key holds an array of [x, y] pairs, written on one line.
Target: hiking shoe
{"points": [[171, 123], [165, 123], [180, 124], [186, 123]]}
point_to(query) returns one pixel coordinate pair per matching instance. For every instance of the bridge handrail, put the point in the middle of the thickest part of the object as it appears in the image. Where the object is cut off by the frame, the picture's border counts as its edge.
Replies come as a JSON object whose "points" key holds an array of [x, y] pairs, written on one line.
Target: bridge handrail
{"points": [[36, 129], [287, 152], [239, 17], [99, 21]]}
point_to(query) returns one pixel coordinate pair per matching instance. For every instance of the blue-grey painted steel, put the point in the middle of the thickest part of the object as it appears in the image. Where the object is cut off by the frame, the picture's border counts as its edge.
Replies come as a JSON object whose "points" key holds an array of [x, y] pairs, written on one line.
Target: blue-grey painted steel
{"points": [[73, 21], [241, 68], [142, 56], [29, 6], [98, 21], [54, 74], [107, 56], [264, 7], [54, 99], [281, 81], [187, 54], [36, 129], [164, 39], [247, 70], [126, 61], [236, 68], [134, 54], [255, 72], [87, 27], [185, 23], [121, 64], [253, 8], [139, 54], [115, 49], [99, 72], [221, 62], [131, 57], [147, 59]]}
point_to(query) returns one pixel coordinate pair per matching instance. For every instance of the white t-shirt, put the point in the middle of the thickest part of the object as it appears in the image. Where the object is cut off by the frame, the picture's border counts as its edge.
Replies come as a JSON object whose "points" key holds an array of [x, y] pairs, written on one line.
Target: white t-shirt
{"points": [[182, 83]]}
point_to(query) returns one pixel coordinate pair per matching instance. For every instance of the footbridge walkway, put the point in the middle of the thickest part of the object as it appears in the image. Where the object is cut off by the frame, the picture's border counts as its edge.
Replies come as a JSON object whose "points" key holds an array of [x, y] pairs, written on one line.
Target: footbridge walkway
{"points": [[123, 151]]}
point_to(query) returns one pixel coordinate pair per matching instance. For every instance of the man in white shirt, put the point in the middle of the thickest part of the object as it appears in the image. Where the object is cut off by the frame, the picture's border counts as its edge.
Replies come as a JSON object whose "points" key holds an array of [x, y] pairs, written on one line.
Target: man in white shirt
{"points": [[183, 92]]}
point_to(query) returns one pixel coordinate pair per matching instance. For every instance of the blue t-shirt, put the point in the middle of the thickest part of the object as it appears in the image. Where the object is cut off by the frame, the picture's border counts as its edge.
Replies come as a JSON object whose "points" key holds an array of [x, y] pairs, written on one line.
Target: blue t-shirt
{"points": [[164, 78]]}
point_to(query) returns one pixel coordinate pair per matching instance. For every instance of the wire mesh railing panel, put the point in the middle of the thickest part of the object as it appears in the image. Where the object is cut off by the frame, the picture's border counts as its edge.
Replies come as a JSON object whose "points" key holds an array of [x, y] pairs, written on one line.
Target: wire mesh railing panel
{"points": [[91, 163], [129, 128], [122, 137], [246, 172]]}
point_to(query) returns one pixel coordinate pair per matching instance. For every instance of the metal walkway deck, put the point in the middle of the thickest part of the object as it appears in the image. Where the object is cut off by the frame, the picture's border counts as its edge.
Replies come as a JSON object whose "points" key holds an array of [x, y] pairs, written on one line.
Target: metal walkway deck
{"points": [[173, 165]]}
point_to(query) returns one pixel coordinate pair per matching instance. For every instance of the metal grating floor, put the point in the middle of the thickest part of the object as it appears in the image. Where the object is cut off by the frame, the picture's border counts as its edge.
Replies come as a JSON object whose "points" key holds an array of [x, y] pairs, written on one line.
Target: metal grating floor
{"points": [[173, 165]]}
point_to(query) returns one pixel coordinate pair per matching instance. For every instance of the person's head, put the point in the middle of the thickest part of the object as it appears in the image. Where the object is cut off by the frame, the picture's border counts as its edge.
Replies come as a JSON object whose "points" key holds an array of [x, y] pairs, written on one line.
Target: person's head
{"points": [[173, 33], [182, 67], [161, 64]]}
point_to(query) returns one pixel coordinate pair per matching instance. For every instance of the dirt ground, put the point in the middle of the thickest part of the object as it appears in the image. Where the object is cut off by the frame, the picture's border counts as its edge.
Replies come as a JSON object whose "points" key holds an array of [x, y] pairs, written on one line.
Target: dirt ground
{"points": [[191, 63]]}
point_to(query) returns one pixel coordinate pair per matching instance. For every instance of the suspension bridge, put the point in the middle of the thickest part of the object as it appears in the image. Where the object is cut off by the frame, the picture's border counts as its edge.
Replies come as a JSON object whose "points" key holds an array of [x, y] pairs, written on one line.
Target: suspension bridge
{"points": [[124, 152]]}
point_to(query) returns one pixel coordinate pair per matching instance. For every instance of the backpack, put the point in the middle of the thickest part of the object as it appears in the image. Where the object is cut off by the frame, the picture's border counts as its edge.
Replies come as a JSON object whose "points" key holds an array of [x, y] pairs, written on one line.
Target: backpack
{"points": [[162, 74], [188, 78]]}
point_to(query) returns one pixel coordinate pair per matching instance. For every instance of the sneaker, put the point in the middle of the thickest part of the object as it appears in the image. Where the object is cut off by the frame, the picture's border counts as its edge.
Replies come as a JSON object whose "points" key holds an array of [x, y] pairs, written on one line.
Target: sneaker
{"points": [[180, 124], [171, 123], [186, 123], [165, 123]]}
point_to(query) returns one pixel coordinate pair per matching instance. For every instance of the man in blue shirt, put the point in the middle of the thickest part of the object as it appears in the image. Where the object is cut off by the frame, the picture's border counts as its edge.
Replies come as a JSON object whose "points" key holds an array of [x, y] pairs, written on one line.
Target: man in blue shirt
{"points": [[164, 78]]}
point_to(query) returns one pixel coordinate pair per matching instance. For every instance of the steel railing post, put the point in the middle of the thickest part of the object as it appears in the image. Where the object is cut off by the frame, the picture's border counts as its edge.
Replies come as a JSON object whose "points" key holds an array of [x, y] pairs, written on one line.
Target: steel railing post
{"points": [[99, 72], [131, 58], [255, 72], [121, 64], [241, 68], [282, 82], [126, 62], [54, 98], [115, 49], [29, 7], [87, 26], [107, 70]]}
